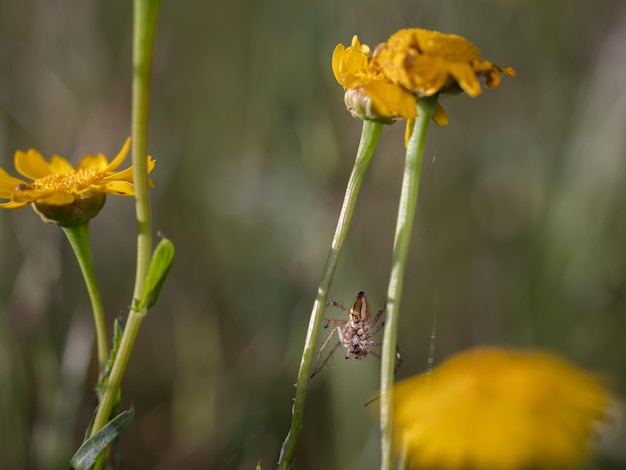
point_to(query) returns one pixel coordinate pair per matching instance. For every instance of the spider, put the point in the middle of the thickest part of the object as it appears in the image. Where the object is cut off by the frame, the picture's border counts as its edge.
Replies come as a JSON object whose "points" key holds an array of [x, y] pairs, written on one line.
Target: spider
{"points": [[355, 333]]}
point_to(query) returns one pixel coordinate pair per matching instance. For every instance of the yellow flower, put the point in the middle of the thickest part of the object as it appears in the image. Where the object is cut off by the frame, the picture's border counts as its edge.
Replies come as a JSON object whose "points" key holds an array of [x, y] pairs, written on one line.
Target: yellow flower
{"points": [[58, 189], [498, 409], [369, 94], [428, 62]]}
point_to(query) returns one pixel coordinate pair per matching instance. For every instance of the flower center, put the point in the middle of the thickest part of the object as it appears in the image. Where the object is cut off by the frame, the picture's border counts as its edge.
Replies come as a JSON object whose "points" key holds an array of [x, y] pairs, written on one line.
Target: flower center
{"points": [[70, 182]]}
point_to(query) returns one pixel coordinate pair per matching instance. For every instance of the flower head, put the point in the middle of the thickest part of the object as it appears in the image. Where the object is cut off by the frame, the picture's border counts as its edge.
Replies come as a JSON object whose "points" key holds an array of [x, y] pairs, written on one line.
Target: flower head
{"points": [[64, 194], [385, 85], [429, 62], [369, 94], [498, 409]]}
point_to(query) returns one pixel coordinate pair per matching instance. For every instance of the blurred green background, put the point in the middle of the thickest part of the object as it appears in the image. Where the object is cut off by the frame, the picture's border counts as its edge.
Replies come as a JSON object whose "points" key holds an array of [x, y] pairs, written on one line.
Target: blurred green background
{"points": [[520, 233]]}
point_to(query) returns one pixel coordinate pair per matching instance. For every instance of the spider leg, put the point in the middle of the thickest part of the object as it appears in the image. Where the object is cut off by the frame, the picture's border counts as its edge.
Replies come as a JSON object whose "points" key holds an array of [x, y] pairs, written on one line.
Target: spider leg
{"points": [[339, 306], [341, 322], [376, 329], [379, 354], [319, 365], [380, 312]]}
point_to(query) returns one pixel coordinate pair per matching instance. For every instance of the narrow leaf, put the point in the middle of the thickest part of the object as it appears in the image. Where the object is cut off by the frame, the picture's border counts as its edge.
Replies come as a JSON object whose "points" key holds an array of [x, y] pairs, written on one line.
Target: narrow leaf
{"points": [[160, 264], [86, 455], [118, 329]]}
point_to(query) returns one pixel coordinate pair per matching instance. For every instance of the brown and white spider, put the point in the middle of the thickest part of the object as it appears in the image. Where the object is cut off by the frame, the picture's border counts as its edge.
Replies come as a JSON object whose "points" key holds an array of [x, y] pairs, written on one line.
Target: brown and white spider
{"points": [[355, 333]]}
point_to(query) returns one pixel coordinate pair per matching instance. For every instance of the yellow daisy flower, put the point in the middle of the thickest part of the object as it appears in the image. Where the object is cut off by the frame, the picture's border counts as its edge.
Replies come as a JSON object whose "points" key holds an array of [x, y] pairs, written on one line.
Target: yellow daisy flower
{"points": [[65, 194], [429, 62], [498, 409]]}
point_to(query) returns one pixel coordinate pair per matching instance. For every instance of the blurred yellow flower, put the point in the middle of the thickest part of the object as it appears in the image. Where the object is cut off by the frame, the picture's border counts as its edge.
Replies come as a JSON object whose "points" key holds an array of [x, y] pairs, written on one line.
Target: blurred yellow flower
{"points": [[498, 409], [57, 184], [429, 62]]}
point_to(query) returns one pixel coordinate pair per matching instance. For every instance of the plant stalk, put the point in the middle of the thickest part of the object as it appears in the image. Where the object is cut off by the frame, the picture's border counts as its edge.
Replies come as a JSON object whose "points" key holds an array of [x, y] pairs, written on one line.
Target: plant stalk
{"points": [[369, 139], [404, 229], [145, 18], [78, 236]]}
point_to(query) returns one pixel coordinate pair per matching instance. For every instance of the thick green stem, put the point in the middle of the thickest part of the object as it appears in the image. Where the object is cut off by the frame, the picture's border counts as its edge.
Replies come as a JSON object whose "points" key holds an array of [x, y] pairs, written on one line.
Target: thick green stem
{"points": [[404, 228], [369, 139], [78, 237], [146, 13]]}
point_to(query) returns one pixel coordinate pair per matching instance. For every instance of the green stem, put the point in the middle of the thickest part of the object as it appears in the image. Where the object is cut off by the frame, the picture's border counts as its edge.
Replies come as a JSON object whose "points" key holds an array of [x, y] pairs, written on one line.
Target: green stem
{"points": [[78, 237], [369, 139], [146, 13], [404, 228], [145, 24]]}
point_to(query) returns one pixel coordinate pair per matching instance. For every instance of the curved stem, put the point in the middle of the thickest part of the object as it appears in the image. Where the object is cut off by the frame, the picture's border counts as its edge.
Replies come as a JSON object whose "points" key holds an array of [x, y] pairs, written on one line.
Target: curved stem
{"points": [[78, 236], [369, 138], [404, 228], [146, 13]]}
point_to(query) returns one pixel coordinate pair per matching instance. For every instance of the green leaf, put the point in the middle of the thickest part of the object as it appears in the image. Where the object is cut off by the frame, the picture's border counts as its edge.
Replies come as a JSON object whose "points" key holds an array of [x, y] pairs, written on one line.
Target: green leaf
{"points": [[86, 456], [160, 264], [118, 329]]}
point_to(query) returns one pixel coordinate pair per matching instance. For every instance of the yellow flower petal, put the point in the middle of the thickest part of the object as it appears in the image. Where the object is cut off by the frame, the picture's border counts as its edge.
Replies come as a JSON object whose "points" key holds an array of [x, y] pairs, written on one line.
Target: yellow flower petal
{"points": [[338, 54], [120, 188], [429, 62], [98, 162], [408, 130], [24, 195], [8, 184], [12, 205], [128, 173], [427, 76], [57, 199], [31, 164], [59, 165], [465, 77], [117, 161], [439, 116], [389, 99], [150, 164], [492, 75], [351, 60]]}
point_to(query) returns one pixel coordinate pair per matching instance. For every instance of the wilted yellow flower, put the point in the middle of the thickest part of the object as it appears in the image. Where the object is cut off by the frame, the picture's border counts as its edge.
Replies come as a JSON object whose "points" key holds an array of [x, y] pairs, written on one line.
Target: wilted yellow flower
{"points": [[498, 409], [429, 62], [62, 193]]}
